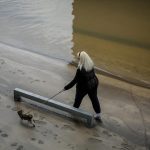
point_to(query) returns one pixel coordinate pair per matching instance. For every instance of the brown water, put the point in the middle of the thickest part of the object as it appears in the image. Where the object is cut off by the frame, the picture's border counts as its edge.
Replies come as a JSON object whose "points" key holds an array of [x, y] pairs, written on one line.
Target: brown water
{"points": [[115, 34]]}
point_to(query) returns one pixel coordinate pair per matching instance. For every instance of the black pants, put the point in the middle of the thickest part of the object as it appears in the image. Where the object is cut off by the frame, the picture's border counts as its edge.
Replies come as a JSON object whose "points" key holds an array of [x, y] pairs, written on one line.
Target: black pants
{"points": [[92, 95]]}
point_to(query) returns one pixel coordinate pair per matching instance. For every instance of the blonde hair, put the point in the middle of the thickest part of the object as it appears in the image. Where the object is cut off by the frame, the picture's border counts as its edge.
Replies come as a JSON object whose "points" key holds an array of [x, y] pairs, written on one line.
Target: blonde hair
{"points": [[85, 61]]}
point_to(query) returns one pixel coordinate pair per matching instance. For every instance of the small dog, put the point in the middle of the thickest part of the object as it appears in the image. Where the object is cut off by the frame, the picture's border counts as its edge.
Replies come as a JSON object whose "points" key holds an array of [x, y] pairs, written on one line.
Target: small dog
{"points": [[28, 117]]}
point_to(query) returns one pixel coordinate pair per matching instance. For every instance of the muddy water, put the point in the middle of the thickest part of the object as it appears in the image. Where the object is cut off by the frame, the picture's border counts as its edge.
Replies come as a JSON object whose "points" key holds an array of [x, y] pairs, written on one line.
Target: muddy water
{"points": [[116, 35]]}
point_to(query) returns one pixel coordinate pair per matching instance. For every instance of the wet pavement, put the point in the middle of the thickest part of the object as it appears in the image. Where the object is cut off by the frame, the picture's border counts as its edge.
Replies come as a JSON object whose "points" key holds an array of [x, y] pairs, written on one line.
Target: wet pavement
{"points": [[125, 108]]}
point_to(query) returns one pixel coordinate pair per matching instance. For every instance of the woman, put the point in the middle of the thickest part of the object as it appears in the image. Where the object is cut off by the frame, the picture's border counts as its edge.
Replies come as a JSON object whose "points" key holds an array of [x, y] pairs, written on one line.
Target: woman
{"points": [[86, 83]]}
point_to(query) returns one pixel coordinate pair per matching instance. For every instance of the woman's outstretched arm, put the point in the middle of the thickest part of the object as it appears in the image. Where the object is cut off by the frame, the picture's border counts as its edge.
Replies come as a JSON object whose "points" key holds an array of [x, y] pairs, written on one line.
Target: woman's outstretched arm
{"points": [[73, 82]]}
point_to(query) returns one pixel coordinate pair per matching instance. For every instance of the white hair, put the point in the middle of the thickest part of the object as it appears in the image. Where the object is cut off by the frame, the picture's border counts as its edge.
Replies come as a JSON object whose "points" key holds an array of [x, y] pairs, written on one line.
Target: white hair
{"points": [[85, 61]]}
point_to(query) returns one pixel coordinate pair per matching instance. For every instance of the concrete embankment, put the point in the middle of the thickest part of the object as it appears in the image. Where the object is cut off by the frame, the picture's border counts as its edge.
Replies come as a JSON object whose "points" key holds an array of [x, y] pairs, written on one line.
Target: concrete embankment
{"points": [[122, 127]]}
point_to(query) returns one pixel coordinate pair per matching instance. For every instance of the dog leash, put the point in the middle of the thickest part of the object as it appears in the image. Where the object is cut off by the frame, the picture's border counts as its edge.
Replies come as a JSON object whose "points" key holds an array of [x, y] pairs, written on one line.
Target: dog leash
{"points": [[18, 108], [56, 94], [49, 98]]}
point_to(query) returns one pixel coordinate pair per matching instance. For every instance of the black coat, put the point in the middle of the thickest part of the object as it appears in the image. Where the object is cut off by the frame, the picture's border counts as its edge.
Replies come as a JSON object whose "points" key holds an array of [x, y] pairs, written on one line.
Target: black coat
{"points": [[84, 80]]}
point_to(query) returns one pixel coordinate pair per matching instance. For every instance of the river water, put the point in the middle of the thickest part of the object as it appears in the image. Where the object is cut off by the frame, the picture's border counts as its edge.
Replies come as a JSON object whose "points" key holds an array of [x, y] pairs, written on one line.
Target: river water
{"points": [[114, 33], [42, 26]]}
